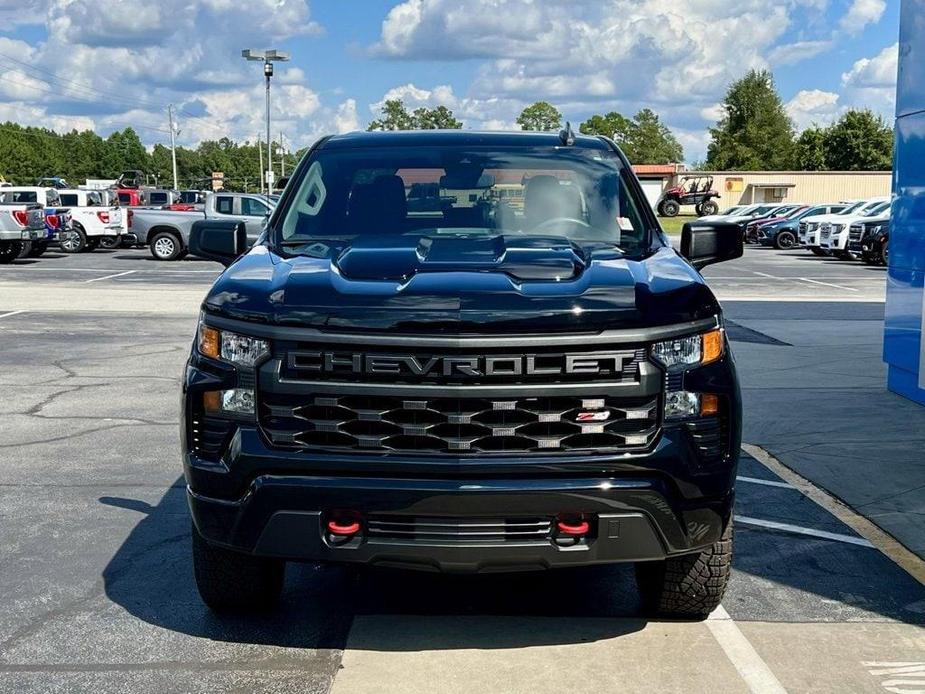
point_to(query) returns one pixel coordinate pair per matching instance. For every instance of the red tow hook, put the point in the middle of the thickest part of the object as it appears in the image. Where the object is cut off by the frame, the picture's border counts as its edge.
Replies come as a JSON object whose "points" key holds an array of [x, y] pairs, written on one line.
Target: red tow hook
{"points": [[573, 528], [343, 528]]}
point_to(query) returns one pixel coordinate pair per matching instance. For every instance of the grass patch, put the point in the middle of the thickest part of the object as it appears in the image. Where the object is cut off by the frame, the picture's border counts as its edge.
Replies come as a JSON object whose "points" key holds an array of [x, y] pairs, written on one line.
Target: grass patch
{"points": [[672, 225]]}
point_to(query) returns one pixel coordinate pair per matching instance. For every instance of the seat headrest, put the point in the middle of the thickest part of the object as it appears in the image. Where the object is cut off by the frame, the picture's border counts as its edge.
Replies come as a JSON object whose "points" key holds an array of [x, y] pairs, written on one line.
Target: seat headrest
{"points": [[545, 198], [380, 204]]}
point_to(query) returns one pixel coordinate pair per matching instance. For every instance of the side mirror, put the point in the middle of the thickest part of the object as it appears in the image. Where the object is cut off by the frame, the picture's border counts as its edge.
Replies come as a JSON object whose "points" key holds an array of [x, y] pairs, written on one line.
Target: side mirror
{"points": [[705, 244], [222, 241]]}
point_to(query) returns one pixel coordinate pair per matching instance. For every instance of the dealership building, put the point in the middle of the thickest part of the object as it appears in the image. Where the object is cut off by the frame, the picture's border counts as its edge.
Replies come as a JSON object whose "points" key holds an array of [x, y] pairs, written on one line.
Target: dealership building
{"points": [[747, 187]]}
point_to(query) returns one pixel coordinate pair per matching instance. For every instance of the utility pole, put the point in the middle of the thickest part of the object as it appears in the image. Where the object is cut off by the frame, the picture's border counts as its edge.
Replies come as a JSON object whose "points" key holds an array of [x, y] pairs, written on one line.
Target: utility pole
{"points": [[260, 154], [173, 145], [268, 57], [282, 156]]}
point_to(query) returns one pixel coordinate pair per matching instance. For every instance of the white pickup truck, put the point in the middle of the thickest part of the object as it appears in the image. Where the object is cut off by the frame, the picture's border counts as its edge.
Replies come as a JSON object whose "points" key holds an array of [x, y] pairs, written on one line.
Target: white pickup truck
{"points": [[811, 227], [20, 224], [833, 235], [93, 221]]}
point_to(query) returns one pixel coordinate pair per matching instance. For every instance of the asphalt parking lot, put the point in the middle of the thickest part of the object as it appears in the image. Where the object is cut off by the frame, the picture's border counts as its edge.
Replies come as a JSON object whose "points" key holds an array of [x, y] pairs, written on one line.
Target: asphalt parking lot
{"points": [[98, 593]]}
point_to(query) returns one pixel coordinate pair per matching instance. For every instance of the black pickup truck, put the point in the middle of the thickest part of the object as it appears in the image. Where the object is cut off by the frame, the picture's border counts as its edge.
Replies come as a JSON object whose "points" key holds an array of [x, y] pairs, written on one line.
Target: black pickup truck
{"points": [[522, 375]]}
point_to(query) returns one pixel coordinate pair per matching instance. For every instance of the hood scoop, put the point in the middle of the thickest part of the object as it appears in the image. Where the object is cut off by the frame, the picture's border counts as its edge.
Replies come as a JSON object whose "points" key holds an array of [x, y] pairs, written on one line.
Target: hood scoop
{"points": [[537, 259]]}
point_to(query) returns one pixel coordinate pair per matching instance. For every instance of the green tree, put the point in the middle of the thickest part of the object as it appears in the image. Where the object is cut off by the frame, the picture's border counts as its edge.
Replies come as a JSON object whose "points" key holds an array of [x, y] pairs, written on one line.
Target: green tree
{"points": [[394, 116], [651, 141], [755, 132], [644, 139], [613, 125], [541, 116], [440, 118], [809, 150], [859, 141]]}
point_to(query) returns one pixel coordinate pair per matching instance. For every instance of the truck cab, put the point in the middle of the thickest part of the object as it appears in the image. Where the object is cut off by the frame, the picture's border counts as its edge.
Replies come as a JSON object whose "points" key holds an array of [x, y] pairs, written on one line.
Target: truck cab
{"points": [[94, 223]]}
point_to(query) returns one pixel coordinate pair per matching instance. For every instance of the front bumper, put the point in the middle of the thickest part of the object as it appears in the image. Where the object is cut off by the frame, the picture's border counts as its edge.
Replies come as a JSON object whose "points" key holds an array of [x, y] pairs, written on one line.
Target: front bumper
{"points": [[631, 520]]}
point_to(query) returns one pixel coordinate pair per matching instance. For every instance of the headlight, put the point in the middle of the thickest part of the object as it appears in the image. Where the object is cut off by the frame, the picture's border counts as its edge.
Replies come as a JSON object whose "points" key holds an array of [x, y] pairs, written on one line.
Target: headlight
{"points": [[686, 352], [233, 348]]}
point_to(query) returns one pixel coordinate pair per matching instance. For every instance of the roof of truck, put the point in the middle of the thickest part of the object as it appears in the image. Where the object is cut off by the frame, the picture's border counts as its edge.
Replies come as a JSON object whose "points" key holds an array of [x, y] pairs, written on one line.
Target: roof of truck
{"points": [[474, 138]]}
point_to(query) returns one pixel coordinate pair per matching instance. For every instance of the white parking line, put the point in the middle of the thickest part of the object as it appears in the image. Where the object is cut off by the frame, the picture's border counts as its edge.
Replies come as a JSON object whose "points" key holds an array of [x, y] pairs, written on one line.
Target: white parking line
{"points": [[902, 677], [764, 274], [800, 530], [827, 284], [743, 656], [12, 313], [910, 562], [768, 483], [109, 277]]}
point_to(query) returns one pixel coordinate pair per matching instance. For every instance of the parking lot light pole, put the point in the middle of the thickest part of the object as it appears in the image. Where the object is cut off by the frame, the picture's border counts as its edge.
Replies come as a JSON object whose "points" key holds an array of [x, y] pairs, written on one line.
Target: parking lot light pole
{"points": [[268, 57]]}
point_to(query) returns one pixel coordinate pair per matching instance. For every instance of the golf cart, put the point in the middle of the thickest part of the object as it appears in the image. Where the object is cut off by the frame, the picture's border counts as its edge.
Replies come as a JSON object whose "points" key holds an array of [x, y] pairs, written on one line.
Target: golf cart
{"points": [[692, 190]]}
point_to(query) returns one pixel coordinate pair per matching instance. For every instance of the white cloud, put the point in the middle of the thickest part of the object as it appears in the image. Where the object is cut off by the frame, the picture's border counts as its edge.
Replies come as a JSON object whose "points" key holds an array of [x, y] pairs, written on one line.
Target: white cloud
{"points": [[877, 72], [346, 118], [121, 62], [16, 85], [627, 50], [871, 82], [813, 106], [713, 113], [797, 52], [860, 14]]}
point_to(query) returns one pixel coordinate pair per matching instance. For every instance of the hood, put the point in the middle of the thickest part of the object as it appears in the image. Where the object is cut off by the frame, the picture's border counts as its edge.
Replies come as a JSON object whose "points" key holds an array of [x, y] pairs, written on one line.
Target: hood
{"points": [[462, 286], [822, 218]]}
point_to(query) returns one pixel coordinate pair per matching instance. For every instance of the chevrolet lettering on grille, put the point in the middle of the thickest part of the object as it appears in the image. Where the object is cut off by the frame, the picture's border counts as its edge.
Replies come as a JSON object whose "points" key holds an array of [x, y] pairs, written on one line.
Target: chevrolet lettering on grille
{"points": [[601, 363]]}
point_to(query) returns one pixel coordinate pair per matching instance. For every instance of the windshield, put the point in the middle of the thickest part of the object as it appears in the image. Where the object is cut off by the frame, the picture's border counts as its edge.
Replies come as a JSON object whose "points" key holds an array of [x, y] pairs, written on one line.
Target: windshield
{"points": [[580, 194], [732, 210], [878, 209], [853, 207], [794, 213]]}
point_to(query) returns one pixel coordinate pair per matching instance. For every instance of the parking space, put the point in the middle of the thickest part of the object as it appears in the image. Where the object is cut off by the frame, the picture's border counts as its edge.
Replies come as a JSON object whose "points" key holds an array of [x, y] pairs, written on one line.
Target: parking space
{"points": [[94, 539]]}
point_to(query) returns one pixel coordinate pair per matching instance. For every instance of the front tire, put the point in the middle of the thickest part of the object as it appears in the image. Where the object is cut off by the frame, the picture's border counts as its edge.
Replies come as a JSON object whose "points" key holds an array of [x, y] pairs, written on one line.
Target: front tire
{"points": [[165, 246], [785, 240], [110, 242], [231, 581], [670, 208], [74, 240], [690, 586], [885, 254], [818, 251]]}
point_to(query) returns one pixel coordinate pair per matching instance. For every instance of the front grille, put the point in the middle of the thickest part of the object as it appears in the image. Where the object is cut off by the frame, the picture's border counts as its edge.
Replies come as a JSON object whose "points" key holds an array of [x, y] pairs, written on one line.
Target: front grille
{"points": [[468, 531], [856, 232], [825, 231], [461, 425]]}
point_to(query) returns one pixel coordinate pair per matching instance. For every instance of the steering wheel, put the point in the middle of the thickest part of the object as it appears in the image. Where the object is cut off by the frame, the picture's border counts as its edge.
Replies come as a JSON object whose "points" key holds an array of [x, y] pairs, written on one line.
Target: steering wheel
{"points": [[561, 220]]}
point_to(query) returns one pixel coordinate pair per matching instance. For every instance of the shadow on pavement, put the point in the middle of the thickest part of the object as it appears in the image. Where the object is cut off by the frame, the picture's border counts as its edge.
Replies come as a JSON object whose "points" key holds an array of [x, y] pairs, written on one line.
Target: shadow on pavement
{"points": [[779, 577]]}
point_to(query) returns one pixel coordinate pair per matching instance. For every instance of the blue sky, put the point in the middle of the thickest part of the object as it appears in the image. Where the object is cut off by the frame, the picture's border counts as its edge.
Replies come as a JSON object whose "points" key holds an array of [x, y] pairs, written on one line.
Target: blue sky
{"points": [[105, 64]]}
